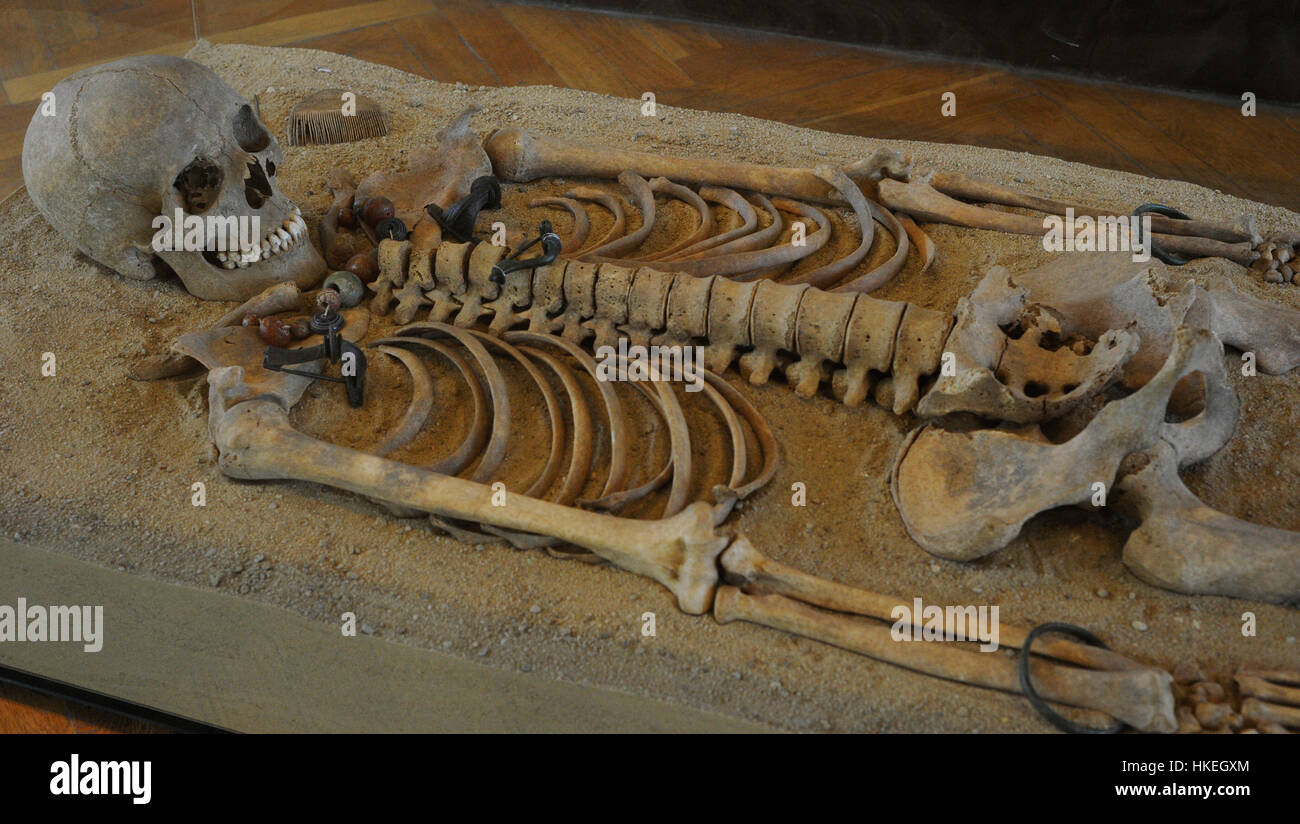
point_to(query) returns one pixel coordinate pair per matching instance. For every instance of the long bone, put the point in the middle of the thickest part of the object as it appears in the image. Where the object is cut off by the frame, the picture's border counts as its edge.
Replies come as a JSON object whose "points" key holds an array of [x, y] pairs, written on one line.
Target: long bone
{"points": [[964, 494], [984, 191], [249, 422], [745, 567], [1141, 698], [521, 156], [927, 205]]}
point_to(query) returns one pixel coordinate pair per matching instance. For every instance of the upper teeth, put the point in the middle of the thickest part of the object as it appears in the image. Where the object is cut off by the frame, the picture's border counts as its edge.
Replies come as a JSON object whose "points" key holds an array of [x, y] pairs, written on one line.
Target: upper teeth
{"points": [[277, 241]]}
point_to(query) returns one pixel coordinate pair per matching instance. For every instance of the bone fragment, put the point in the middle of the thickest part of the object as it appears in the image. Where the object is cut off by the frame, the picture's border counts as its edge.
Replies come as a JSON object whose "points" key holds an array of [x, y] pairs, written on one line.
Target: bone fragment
{"points": [[923, 243]]}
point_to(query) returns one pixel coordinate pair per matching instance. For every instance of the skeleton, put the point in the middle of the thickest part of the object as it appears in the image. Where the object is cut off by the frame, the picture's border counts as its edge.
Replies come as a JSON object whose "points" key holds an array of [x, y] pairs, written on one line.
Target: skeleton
{"points": [[719, 289], [249, 422], [142, 137]]}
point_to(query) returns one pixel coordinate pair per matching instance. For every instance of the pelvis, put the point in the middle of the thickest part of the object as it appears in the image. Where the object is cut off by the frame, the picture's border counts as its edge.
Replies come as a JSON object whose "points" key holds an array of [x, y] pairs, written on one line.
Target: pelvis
{"points": [[1126, 383]]}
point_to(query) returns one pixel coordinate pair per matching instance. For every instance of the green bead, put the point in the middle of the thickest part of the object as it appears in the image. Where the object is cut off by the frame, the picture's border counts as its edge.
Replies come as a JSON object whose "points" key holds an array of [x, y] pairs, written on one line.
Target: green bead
{"points": [[350, 288]]}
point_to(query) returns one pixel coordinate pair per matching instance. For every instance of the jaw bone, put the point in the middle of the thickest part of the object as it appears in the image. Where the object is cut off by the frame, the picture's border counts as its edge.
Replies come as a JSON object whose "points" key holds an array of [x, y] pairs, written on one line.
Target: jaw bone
{"points": [[964, 494]]}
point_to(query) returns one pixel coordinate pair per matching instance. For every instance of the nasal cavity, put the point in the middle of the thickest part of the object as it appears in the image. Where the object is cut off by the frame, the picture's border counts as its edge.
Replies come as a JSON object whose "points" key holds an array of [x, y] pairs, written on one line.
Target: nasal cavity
{"points": [[257, 187]]}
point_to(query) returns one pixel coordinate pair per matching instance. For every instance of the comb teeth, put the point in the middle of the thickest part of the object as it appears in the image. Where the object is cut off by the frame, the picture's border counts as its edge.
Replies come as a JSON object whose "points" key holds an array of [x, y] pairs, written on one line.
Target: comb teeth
{"points": [[319, 120]]}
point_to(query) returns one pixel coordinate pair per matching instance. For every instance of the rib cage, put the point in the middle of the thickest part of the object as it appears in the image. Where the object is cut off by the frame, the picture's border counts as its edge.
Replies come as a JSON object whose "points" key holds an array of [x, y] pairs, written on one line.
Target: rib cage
{"points": [[857, 344]]}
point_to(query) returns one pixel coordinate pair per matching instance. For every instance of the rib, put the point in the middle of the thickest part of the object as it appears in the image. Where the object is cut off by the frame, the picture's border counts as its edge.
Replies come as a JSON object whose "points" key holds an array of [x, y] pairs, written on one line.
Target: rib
{"points": [[581, 223], [665, 186]]}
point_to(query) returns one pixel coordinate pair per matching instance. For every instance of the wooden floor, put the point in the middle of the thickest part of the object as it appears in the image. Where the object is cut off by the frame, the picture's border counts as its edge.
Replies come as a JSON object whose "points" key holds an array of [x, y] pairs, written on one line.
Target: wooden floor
{"points": [[826, 86]]}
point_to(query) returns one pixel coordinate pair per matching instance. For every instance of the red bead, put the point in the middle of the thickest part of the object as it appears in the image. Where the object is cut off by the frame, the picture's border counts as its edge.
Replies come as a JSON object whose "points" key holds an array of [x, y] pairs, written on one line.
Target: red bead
{"points": [[274, 332], [347, 218], [376, 209], [363, 266]]}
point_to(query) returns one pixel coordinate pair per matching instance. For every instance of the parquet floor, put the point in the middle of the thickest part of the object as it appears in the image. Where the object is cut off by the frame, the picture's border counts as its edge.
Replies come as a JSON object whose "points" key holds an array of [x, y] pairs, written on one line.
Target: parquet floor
{"points": [[828, 86]]}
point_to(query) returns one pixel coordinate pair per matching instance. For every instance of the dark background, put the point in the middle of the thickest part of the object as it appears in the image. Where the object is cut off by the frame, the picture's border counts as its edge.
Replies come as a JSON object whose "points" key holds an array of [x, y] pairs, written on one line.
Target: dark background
{"points": [[1196, 45]]}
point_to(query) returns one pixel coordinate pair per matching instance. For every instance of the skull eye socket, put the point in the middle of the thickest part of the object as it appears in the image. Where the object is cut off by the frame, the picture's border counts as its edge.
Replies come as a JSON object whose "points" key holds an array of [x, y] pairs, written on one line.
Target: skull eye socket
{"points": [[270, 168], [199, 183], [251, 135]]}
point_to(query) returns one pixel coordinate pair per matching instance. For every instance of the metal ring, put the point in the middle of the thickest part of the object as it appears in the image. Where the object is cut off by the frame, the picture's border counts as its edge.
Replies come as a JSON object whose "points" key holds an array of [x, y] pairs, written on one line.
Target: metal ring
{"points": [[1036, 701], [1164, 211]]}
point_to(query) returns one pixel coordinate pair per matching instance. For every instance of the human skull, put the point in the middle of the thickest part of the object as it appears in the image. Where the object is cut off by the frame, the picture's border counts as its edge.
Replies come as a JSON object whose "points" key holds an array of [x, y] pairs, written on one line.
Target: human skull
{"points": [[139, 138]]}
